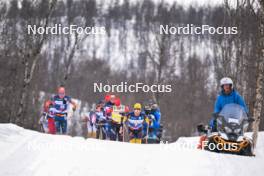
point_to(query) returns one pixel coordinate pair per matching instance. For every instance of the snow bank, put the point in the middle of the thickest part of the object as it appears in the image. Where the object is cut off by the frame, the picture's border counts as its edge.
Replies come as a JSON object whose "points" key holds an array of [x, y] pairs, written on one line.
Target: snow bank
{"points": [[26, 153]]}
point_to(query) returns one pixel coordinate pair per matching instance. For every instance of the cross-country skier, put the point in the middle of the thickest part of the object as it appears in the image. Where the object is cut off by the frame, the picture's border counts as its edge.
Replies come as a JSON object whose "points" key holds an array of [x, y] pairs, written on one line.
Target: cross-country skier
{"points": [[135, 121], [51, 122], [101, 123], [47, 119], [152, 111], [43, 121], [108, 108], [227, 95], [90, 119], [61, 102], [116, 121]]}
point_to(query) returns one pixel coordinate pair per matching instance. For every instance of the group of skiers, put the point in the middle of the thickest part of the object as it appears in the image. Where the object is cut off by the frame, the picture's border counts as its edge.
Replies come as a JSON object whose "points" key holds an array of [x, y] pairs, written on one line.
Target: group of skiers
{"points": [[110, 120]]}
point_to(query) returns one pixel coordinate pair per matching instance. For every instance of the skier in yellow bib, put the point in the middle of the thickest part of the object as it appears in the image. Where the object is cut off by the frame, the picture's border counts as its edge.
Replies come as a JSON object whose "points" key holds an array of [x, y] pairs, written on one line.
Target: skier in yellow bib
{"points": [[117, 119]]}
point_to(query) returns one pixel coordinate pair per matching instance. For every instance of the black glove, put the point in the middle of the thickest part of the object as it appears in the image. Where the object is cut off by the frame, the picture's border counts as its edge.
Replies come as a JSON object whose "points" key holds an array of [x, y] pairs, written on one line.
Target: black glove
{"points": [[201, 128]]}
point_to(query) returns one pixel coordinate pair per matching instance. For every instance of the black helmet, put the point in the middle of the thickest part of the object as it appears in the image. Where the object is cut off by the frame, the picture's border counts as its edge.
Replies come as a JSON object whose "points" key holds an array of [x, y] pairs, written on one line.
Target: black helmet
{"points": [[100, 103], [153, 105]]}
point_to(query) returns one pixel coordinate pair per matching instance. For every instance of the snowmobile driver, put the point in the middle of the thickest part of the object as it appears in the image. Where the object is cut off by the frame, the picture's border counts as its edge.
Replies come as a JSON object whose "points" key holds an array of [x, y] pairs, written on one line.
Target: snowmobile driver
{"points": [[227, 95]]}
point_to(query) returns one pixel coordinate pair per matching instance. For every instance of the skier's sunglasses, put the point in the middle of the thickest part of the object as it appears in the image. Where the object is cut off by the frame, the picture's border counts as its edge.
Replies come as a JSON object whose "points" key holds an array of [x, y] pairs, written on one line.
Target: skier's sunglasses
{"points": [[137, 109]]}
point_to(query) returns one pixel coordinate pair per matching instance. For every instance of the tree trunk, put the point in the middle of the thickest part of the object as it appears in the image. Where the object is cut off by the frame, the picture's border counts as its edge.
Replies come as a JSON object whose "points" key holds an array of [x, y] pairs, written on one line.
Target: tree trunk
{"points": [[29, 70], [260, 79]]}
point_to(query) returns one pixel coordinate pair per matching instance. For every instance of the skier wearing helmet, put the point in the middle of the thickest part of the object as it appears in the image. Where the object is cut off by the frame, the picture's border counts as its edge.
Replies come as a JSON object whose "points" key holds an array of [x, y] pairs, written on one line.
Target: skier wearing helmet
{"points": [[152, 111], [44, 121], [61, 102], [108, 108], [135, 123], [118, 116], [227, 95], [92, 118], [100, 122], [110, 100], [50, 116]]}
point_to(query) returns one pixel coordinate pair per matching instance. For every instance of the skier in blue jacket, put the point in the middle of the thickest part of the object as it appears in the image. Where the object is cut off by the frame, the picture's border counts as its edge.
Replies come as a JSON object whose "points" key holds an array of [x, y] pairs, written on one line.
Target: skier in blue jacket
{"points": [[228, 95], [61, 103], [152, 110]]}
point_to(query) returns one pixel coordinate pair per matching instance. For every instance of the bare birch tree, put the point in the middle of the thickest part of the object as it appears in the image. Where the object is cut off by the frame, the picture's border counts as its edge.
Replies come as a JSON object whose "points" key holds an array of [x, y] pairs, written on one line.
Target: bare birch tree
{"points": [[30, 59]]}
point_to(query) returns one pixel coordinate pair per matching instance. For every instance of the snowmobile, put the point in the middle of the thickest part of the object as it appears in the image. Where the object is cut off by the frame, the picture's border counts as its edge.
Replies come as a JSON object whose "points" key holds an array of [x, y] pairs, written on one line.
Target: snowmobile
{"points": [[231, 124]]}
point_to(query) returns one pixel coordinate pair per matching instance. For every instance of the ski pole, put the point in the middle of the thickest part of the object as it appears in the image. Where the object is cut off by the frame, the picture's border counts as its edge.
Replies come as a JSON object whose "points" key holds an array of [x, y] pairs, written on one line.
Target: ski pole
{"points": [[147, 133], [122, 126]]}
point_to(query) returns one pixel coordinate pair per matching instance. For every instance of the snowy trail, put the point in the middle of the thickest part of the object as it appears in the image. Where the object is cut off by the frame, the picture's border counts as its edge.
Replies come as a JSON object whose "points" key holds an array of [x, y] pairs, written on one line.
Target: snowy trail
{"points": [[29, 153]]}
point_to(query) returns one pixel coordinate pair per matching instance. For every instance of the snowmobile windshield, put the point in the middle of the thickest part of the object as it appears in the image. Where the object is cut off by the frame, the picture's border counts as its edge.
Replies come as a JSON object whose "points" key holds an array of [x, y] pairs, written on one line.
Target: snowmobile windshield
{"points": [[233, 113]]}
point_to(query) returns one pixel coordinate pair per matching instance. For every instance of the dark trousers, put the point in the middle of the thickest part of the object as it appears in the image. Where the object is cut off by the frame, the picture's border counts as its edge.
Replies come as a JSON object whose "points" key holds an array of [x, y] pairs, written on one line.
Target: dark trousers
{"points": [[138, 134], [101, 131], [61, 125], [115, 132]]}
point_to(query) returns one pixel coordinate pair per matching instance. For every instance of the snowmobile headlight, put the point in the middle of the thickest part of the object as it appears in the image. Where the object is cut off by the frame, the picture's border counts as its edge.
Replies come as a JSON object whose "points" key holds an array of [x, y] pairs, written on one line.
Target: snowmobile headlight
{"points": [[228, 130], [237, 130]]}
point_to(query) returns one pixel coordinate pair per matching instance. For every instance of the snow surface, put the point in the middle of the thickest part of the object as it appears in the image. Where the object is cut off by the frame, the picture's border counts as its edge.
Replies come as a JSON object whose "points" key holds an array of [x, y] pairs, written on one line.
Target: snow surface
{"points": [[26, 153]]}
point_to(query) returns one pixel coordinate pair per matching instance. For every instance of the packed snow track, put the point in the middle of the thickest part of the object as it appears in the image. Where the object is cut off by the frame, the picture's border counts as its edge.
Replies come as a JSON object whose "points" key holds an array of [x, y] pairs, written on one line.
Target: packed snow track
{"points": [[29, 153]]}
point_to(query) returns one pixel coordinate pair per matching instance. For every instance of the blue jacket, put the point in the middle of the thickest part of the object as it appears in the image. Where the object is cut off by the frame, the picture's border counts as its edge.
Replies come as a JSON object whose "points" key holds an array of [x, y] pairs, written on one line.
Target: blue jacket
{"points": [[157, 115], [224, 99]]}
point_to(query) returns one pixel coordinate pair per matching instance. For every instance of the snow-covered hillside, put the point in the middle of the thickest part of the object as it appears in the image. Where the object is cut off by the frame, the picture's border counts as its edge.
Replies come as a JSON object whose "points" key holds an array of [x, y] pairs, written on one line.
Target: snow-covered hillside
{"points": [[26, 153]]}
